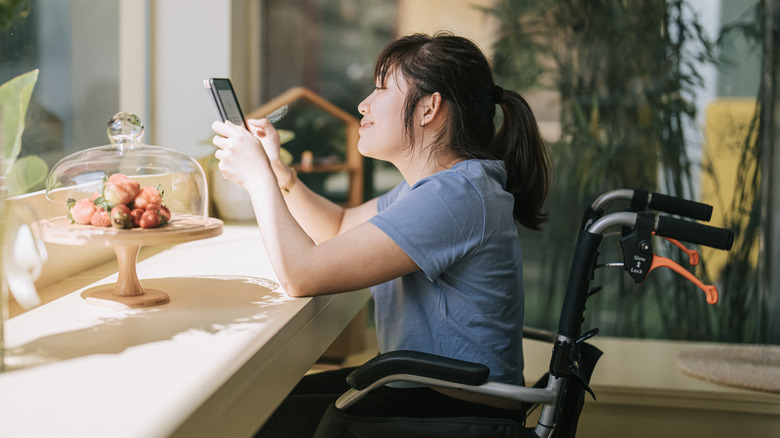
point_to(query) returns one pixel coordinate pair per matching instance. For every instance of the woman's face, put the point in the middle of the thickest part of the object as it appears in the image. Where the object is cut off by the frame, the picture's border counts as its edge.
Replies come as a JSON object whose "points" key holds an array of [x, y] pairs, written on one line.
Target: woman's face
{"points": [[382, 126]]}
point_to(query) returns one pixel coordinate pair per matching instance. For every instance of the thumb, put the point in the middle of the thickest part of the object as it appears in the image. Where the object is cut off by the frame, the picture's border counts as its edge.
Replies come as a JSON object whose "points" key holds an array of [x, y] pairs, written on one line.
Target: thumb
{"points": [[258, 127]]}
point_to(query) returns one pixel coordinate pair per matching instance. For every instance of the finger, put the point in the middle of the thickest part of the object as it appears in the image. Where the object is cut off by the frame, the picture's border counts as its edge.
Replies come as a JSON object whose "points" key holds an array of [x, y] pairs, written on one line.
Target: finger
{"points": [[257, 132], [223, 169], [258, 127], [219, 141], [261, 123], [216, 125], [225, 128]]}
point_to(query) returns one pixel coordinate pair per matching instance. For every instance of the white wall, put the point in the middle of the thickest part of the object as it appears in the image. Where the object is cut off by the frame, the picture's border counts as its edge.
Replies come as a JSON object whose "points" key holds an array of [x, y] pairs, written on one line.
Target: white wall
{"points": [[168, 48], [190, 42]]}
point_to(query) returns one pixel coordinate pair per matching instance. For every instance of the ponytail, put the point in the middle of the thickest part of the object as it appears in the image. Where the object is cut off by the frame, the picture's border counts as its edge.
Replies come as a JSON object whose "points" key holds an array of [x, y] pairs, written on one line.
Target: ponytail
{"points": [[520, 145]]}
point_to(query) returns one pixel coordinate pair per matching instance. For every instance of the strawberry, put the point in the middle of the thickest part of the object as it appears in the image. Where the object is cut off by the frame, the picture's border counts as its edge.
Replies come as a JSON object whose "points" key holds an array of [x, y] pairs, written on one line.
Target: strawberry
{"points": [[165, 214], [148, 196], [135, 215], [150, 219], [81, 212], [120, 217], [119, 189], [100, 218]]}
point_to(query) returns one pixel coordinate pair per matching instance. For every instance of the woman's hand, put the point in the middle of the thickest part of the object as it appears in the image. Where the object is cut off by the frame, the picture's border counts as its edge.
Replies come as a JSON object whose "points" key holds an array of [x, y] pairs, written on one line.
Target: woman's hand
{"points": [[241, 156]]}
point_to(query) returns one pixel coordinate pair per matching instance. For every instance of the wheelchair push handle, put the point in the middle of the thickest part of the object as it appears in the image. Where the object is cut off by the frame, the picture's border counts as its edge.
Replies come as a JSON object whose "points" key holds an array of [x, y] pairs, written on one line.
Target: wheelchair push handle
{"points": [[693, 232], [642, 199], [679, 206]]}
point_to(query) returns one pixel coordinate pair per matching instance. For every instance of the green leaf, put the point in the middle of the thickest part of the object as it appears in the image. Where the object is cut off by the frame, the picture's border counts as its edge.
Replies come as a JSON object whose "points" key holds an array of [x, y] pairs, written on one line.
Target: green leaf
{"points": [[26, 175], [14, 100]]}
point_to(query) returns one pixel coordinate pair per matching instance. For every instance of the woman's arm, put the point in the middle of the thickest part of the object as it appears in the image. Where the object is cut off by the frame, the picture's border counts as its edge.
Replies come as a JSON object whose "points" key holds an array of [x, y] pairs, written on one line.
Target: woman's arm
{"points": [[321, 218], [360, 257]]}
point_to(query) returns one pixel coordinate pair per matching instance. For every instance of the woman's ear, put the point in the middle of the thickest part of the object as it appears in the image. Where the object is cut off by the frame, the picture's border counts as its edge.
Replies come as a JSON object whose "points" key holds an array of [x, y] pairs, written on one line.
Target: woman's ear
{"points": [[431, 108]]}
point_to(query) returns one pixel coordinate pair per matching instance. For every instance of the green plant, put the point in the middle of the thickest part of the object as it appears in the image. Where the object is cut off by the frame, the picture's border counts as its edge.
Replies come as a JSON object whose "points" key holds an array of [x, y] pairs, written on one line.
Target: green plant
{"points": [[11, 10], [26, 173]]}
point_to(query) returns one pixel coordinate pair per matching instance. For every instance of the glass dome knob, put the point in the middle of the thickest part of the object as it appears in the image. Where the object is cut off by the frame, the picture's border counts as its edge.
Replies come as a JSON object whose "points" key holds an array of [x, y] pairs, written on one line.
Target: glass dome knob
{"points": [[125, 128]]}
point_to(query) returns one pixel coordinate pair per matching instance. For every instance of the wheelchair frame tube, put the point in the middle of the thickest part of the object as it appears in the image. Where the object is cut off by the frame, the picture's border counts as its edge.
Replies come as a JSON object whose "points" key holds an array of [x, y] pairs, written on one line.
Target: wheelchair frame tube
{"points": [[612, 196], [582, 266], [546, 424], [581, 270], [531, 395]]}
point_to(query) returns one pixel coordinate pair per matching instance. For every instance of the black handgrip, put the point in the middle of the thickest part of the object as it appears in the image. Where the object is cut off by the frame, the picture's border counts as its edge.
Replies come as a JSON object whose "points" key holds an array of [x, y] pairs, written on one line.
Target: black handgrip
{"points": [[683, 207], [693, 232]]}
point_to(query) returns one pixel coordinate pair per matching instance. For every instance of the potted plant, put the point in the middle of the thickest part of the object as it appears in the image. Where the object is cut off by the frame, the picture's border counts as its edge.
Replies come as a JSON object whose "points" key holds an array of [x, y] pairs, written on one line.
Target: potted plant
{"points": [[19, 175]]}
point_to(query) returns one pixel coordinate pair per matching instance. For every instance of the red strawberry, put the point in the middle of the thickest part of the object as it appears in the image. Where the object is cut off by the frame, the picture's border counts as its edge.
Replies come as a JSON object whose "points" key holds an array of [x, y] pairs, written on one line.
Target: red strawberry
{"points": [[150, 219], [82, 211], [120, 217], [135, 215], [100, 218], [119, 189], [148, 196], [166, 215]]}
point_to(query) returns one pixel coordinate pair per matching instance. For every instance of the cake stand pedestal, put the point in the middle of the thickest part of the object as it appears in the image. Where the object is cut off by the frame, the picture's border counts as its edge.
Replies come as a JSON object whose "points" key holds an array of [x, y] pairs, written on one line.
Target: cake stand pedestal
{"points": [[128, 291]]}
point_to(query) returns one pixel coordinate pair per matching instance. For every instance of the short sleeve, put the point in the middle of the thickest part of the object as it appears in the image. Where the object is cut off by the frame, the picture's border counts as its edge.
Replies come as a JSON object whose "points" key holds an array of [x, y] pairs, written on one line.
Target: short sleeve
{"points": [[437, 222]]}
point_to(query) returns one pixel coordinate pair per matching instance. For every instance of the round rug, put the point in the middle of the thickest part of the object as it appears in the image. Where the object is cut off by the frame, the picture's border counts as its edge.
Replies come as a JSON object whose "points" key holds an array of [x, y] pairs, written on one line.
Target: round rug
{"points": [[744, 366]]}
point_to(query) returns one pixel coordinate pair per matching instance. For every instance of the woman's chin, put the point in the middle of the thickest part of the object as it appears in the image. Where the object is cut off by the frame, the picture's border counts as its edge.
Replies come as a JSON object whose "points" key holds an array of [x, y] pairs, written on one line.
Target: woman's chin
{"points": [[365, 151]]}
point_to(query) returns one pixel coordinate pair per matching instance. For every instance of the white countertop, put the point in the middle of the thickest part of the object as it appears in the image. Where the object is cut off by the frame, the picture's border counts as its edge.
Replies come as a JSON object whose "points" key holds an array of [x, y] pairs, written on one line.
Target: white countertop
{"points": [[215, 361]]}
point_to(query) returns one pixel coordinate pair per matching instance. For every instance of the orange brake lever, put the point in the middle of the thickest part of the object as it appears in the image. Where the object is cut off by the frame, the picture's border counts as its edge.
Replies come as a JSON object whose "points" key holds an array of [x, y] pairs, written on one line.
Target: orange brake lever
{"points": [[709, 290], [693, 255]]}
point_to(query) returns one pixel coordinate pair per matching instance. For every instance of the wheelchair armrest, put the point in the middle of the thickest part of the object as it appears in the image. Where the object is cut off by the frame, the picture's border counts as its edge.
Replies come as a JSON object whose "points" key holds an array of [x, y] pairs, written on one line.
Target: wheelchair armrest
{"points": [[540, 335], [419, 364]]}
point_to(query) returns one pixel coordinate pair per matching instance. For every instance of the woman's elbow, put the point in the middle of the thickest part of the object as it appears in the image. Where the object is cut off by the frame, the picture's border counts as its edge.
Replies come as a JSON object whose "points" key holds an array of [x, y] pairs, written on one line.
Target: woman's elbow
{"points": [[300, 280], [297, 293], [299, 288]]}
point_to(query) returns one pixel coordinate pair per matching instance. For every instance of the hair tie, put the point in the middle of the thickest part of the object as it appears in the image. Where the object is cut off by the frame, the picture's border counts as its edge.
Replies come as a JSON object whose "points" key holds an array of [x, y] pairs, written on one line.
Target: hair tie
{"points": [[497, 94]]}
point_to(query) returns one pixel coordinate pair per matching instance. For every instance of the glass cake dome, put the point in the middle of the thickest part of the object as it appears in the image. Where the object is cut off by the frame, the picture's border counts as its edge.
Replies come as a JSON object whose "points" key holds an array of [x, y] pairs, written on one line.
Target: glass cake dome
{"points": [[178, 177]]}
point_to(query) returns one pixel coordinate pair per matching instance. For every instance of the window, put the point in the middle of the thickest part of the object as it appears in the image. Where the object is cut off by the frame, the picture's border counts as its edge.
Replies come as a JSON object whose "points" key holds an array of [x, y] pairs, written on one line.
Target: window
{"points": [[329, 48], [645, 98], [75, 45]]}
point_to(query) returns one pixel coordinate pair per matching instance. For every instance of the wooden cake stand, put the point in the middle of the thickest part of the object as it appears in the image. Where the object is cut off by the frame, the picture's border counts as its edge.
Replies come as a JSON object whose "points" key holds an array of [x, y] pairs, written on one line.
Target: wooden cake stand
{"points": [[128, 292]]}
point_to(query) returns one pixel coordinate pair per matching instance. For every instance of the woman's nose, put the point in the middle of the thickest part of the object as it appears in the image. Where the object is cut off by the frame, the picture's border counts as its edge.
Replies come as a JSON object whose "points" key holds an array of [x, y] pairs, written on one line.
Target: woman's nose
{"points": [[363, 106]]}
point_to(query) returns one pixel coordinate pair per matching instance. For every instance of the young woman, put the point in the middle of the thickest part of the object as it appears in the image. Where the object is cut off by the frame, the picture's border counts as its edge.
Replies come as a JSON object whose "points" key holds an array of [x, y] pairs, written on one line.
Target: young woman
{"points": [[440, 251]]}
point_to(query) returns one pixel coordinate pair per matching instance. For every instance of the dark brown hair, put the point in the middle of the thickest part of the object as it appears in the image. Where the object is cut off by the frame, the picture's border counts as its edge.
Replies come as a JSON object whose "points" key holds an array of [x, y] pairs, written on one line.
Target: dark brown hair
{"points": [[457, 69]]}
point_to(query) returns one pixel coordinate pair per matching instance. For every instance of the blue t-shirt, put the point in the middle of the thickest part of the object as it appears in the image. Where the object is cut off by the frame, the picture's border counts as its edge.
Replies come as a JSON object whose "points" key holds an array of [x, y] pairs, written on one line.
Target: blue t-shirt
{"points": [[466, 301]]}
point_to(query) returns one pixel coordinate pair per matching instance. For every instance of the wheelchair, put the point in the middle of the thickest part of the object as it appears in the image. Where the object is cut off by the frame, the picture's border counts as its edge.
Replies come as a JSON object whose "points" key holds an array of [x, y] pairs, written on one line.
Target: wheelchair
{"points": [[560, 392]]}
